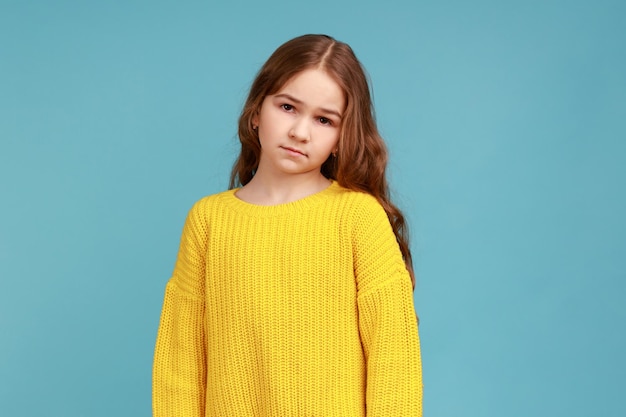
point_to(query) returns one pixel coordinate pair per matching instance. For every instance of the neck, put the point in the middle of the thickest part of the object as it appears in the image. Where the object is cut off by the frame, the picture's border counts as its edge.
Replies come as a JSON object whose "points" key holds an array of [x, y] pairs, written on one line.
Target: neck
{"points": [[266, 191]]}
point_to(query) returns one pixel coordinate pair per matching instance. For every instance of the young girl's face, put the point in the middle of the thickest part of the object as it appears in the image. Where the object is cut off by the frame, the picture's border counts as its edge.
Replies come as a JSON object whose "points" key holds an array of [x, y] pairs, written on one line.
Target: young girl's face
{"points": [[299, 126]]}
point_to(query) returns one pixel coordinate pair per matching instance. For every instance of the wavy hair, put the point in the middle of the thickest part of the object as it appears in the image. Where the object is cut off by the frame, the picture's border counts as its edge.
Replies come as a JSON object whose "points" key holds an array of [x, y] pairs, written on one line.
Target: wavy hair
{"points": [[361, 160]]}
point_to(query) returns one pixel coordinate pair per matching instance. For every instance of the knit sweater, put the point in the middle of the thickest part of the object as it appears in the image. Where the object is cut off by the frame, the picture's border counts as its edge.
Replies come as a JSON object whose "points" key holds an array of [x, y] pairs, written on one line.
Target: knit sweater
{"points": [[297, 309]]}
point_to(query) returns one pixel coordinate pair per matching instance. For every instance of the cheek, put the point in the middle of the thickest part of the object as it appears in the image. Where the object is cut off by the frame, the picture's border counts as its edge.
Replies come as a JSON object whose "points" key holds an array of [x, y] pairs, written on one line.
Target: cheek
{"points": [[266, 131], [333, 138], [271, 120]]}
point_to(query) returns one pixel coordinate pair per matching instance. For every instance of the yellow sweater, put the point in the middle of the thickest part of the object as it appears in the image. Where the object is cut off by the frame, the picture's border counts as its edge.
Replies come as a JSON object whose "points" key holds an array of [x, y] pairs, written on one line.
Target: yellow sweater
{"points": [[298, 309]]}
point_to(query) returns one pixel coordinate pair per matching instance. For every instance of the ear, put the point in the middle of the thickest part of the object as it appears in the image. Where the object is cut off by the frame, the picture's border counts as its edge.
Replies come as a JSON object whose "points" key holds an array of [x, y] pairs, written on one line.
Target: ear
{"points": [[255, 119]]}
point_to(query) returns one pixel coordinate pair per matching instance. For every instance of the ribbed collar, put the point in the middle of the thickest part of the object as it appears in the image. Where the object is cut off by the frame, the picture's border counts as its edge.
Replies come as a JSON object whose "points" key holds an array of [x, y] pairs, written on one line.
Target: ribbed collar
{"points": [[298, 206]]}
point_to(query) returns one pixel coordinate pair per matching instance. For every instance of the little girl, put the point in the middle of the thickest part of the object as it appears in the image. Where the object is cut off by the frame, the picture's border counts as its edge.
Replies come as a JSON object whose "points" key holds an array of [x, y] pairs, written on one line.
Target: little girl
{"points": [[292, 292]]}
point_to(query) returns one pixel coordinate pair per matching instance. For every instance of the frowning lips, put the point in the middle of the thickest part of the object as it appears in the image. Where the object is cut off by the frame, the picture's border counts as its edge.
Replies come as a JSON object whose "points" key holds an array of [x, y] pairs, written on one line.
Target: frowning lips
{"points": [[293, 150]]}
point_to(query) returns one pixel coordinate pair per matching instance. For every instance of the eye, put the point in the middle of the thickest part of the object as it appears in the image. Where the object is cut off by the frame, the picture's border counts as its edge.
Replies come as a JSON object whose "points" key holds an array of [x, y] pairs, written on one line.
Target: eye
{"points": [[286, 107], [325, 121]]}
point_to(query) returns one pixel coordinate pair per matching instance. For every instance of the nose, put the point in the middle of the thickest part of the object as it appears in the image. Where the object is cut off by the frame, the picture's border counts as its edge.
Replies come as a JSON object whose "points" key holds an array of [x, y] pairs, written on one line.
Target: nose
{"points": [[300, 130]]}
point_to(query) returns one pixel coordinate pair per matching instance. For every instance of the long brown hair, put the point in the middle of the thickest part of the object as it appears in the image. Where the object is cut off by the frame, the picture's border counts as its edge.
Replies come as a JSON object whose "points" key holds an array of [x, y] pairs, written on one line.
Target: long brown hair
{"points": [[361, 158]]}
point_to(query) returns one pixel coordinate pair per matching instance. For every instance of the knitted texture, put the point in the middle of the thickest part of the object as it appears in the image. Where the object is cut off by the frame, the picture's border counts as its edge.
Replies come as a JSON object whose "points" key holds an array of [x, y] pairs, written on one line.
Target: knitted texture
{"points": [[298, 309]]}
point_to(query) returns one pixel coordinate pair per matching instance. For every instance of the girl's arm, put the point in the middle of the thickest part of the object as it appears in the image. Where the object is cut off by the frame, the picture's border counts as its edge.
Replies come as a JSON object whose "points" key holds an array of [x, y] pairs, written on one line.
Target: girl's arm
{"points": [[387, 320], [179, 370]]}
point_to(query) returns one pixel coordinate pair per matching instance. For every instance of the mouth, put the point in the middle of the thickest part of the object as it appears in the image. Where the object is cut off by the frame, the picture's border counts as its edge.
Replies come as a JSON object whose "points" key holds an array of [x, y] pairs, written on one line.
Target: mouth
{"points": [[293, 151]]}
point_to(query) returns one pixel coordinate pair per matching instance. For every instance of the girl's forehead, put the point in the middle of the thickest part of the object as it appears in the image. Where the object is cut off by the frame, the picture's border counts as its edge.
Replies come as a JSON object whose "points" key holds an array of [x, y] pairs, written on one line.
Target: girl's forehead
{"points": [[310, 75], [315, 86]]}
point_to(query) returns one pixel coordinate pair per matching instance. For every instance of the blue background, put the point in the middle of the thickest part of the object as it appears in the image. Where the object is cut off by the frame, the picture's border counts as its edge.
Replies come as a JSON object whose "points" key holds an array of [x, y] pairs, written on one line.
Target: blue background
{"points": [[506, 126]]}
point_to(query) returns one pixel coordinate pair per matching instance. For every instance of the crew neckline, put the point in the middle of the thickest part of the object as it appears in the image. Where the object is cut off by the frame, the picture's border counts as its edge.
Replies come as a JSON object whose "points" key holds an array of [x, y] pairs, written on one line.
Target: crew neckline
{"points": [[257, 210]]}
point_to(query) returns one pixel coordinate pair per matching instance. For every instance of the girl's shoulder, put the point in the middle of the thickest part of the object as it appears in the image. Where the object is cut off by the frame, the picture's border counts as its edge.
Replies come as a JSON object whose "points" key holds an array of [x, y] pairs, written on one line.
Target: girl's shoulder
{"points": [[216, 198], [209, 203], [358, 197], [360, 204]]}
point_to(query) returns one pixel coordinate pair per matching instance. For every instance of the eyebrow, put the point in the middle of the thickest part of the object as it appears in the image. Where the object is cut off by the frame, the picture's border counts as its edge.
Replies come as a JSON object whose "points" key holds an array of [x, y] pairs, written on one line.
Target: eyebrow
{"points": [[295, 100]]}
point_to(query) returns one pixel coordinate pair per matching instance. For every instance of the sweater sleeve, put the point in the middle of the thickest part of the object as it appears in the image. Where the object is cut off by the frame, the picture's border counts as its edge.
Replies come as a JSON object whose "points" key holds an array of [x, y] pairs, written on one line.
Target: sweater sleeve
{"points": [[387, 320], [179, 369]]}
